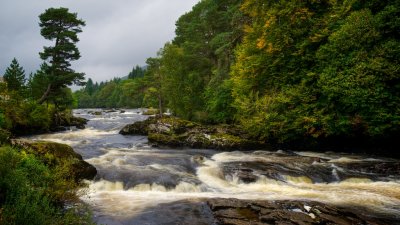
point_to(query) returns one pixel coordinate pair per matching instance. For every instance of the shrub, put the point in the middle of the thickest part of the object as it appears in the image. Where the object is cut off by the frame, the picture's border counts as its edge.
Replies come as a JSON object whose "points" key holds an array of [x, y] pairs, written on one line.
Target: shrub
{"points": [[32, 193]]}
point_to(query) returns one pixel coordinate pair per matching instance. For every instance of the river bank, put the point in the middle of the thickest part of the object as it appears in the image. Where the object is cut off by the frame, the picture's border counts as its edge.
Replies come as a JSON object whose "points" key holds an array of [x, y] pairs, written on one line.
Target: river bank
{"points": [[175, 132]]}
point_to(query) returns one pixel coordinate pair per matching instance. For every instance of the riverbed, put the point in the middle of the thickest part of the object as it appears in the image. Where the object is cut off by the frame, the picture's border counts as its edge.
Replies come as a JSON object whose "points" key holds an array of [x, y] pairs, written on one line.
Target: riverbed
{"points": [[138, 183]]}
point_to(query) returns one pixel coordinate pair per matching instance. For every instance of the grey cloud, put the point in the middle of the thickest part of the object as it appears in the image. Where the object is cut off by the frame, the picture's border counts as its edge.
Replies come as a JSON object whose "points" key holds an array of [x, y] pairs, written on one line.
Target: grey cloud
{"points": [[118, 35]]}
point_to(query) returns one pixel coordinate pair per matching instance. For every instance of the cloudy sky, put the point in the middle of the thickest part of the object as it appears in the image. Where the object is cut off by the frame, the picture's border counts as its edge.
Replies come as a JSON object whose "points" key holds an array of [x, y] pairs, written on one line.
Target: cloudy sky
{"points": [[118, 34]]}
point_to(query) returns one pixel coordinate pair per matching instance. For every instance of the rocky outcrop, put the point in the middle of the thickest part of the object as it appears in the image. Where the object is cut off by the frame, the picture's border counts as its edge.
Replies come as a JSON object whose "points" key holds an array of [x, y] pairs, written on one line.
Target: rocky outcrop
{"points": [[241, 212], [289, 167], [175, 132], [138, 128], [64, 120], [78, 122], [56, 154]]}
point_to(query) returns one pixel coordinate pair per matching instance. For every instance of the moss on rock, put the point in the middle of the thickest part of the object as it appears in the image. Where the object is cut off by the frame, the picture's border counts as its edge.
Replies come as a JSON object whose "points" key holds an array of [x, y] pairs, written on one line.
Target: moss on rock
{"points": [[56, 154], [174, 132], [167, 140]]}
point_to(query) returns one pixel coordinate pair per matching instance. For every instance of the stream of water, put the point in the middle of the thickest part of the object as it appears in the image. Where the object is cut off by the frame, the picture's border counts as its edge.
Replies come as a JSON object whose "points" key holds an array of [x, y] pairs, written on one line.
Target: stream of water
{"points": [[141, 184]]}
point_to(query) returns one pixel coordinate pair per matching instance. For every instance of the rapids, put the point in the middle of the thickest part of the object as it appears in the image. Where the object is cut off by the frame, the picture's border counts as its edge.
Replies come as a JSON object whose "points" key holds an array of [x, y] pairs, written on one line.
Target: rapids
{"points": [[141, 184]]}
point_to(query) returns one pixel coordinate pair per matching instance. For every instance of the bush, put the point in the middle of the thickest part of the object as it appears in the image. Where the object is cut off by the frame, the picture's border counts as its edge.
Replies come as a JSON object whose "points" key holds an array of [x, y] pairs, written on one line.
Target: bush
{"points": [[30, 192]]}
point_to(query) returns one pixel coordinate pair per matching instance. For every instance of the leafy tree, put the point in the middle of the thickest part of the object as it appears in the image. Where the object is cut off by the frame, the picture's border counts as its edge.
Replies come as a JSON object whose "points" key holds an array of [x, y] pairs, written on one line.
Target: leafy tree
{"points": [[15, 76], [155, 87], [62, 27]]}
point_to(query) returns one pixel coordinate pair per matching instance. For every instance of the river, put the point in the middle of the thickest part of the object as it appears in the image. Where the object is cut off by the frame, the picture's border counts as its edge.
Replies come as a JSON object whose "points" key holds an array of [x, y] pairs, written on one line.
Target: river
{"points": [[138, 183]]}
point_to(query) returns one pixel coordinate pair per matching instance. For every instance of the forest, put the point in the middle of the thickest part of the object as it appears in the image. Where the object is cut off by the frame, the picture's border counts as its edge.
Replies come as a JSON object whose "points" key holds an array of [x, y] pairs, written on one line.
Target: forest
{"points": [[294, 73], [297, 74]]}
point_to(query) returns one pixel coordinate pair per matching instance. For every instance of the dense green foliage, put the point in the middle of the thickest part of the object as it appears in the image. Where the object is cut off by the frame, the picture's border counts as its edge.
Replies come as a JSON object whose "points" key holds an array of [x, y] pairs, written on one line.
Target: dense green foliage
{"points": [[21, 114], [287, 71], [62, 27], [33, 193], [319, 69], [116, 93]]}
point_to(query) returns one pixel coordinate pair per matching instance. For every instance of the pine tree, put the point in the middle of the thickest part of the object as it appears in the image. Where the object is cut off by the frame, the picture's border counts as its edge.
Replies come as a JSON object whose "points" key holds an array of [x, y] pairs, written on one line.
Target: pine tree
{"points": [[15, 76], [60, 26]]}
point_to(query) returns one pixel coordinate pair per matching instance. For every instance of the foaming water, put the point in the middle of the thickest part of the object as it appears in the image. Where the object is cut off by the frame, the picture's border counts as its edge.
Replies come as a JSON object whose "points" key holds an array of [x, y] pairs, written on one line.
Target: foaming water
{"points": [[140, 184]]}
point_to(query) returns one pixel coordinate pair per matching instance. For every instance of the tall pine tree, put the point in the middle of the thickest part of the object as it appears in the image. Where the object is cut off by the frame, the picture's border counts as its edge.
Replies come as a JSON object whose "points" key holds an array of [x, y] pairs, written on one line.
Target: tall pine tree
{"points": [[61, 26]]}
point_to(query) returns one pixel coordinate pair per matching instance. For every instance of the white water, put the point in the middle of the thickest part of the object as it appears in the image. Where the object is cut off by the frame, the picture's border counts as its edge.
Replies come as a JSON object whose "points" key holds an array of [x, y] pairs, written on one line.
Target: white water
{"points": [[140, 184]]}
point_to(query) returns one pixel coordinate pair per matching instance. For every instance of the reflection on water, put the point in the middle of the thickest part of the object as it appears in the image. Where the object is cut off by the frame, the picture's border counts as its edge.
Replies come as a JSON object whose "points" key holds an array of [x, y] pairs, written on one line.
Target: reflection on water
{"points": [[140, 184]]}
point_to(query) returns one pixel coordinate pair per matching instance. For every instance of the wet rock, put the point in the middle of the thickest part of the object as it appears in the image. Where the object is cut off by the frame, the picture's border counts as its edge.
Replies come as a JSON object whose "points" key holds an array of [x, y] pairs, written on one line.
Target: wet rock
{"points": [[303, 169], [56, 154], [285, 168], [237, 212], [78, 122], [69, 121], [380, 168], [137, 128], [58, 129], [95, 113], [122, 111]]}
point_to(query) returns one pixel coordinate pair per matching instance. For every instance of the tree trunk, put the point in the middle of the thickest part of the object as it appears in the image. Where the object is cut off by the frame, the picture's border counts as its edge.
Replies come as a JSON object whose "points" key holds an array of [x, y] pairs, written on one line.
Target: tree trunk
{"points": [[160, 107], [45, 95]]}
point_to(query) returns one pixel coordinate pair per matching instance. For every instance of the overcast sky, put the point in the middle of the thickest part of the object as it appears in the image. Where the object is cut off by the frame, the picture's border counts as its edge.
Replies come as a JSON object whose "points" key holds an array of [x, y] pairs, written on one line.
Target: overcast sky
{"points": [[118, 33]]}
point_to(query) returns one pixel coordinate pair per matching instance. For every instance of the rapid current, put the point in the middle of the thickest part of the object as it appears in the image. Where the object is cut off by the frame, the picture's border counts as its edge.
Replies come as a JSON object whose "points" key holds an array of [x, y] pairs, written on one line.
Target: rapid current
{"points": [[138, 183]]}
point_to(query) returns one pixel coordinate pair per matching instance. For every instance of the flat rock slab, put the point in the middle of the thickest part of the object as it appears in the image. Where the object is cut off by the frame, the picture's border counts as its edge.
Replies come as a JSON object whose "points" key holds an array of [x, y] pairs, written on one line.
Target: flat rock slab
{"points": [[240, 212]]}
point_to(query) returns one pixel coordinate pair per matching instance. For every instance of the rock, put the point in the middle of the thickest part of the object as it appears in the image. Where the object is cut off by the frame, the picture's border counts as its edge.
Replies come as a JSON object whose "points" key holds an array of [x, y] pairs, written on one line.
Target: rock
{"points": [[137, 128], [58, 129], [237, 212], [56, 154], [122, 111], [78, 122], [96, 113], [166, 140], [69, 121], [381, 168], [80, 126]]}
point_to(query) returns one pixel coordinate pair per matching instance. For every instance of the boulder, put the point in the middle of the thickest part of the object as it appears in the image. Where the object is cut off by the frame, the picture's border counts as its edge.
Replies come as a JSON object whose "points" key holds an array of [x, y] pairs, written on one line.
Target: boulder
{"points": [[56, 154], [137, 128], [66, 120], [78, 122]]}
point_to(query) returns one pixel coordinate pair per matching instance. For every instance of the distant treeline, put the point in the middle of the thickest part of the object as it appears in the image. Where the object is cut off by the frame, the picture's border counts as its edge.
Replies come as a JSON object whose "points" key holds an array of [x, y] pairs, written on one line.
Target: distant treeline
{"points": [[116, 93], [284, 70]]}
